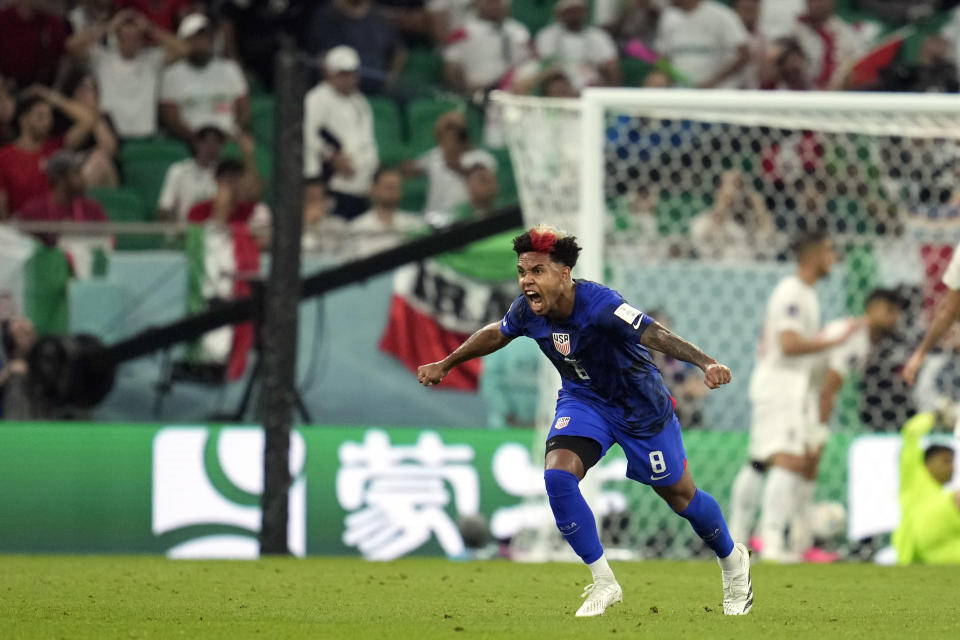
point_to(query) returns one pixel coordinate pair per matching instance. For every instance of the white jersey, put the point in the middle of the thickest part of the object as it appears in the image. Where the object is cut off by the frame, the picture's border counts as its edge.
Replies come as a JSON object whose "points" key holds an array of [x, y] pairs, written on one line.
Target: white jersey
{"points": [[847, 357], [793, 306]]}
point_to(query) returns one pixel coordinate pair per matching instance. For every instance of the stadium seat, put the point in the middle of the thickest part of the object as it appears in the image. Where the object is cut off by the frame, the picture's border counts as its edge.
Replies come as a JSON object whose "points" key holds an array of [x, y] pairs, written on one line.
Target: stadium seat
{"points": [[422, 114], [261, 118], [125, 205], [388, 130], [424, 67], [535, 14], [414, 194], [153, 149], [145, 178]]}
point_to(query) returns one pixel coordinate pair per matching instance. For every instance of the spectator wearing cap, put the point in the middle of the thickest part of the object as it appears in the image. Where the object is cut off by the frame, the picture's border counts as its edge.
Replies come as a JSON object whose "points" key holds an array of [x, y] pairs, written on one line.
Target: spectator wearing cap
{"points": [[192, 180], [128, 74], [32, 42], [355, 24], [65, 202], [490, 43], [22, 175], [446, 187], [338, 140], [830, 44], [384, 225], [480, 168], [586, 53], [202, 89], [705, 41]]}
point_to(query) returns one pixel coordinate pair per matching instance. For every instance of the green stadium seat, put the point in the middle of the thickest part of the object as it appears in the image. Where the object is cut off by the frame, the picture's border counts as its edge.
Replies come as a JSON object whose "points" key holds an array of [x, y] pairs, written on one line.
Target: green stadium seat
{"points": [[388, 130], [422, 114], [414, 194], [424, 67], [261, 118], [153, 149], [121, 204], [145, 177], [535, 14], [505, 175], [125, 205]]}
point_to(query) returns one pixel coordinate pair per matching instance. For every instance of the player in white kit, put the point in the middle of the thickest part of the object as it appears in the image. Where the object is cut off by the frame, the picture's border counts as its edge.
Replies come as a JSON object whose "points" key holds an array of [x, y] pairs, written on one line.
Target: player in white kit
{"points": [[783, 437]]}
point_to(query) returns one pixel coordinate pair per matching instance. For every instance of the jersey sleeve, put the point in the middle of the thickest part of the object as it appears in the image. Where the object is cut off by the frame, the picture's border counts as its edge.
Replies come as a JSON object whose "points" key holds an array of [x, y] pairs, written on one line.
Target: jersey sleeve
{"points": [[616, 315], [512, 325], [951, 277], [846, 357], [786, 312]]}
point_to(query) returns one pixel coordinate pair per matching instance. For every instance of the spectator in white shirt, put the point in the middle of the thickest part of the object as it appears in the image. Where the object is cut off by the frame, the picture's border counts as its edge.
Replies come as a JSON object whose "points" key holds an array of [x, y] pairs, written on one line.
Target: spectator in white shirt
{"points": [[192, 180], [202, 89], [748, 12], [704, 41], [586, 53], [383, 226], [129, 73], [446, 186], [489, 44], [737, 226], [831, 45], [338, 134]]}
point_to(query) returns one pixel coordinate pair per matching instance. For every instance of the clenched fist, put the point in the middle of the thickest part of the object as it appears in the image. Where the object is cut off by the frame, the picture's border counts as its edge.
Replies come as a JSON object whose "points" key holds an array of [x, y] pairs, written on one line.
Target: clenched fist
{"points": [[716, 375], [430, 374]]}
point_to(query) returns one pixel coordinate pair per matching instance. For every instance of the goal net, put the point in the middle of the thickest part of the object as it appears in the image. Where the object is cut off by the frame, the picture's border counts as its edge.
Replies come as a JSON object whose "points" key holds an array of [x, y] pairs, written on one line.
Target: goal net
{"points": [[687, 202]]}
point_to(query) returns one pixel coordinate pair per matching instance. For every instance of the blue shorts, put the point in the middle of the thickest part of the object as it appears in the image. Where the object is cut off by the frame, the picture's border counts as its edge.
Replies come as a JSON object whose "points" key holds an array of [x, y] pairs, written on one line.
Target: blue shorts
{"points": [[657, 460]]}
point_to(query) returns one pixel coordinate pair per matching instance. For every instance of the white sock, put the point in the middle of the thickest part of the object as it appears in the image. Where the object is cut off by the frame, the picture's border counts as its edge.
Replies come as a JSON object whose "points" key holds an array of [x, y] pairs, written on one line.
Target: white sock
{"points": [[801, 525], [779, 505], [744, 502], [601, 570], [731, 562]]}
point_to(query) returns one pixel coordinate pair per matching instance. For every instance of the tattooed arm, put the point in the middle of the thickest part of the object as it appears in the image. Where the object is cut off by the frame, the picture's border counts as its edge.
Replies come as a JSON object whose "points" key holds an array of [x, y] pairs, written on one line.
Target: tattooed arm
{"points": [[658, 337]]}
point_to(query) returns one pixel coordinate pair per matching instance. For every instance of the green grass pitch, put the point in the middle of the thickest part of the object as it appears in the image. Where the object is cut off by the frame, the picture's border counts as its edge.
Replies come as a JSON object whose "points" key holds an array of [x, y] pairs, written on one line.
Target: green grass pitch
{"points": [[142, 597]]}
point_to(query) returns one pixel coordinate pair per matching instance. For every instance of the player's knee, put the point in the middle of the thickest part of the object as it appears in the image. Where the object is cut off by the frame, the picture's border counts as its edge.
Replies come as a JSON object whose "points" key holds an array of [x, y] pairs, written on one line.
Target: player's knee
{"points": [[560, 483]]}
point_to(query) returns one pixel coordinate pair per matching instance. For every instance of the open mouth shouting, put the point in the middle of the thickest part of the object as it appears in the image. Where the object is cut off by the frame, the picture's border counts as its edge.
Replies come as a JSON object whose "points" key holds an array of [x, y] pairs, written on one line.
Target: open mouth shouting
{"points": [[534, 300]]}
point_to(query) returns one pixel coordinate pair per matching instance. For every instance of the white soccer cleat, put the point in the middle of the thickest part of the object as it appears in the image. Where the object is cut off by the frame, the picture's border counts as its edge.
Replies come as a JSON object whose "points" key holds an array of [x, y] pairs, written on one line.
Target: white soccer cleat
{"points": [[737, 586], [599, 596]]}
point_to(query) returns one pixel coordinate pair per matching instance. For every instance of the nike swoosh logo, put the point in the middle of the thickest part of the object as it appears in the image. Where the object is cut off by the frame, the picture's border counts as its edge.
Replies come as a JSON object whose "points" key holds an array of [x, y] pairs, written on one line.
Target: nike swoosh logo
{"points": [[659, 477], [636, 325]]}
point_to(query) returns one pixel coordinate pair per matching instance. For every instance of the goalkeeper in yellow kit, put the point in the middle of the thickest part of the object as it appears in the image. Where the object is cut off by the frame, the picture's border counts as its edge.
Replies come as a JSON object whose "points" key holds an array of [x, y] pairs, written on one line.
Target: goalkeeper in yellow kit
{"points": [[929, 529]]}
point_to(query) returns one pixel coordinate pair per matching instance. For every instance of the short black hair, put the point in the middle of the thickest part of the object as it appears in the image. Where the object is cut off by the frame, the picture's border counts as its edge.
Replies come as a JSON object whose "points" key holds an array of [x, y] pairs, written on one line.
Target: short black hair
{"points": [[935, 450], [890, 296], [24, 106], [808, 240], [229, 167], [543, 239]]}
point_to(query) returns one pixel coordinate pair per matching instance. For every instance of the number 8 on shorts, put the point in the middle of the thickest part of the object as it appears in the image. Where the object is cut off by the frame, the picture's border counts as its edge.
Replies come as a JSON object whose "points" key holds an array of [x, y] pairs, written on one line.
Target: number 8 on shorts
{"points": [[657, 463]]}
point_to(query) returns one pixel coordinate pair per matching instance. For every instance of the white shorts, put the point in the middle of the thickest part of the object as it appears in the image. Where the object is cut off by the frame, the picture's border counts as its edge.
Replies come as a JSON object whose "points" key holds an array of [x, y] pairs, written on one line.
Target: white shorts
{"points": [[782, 426]]}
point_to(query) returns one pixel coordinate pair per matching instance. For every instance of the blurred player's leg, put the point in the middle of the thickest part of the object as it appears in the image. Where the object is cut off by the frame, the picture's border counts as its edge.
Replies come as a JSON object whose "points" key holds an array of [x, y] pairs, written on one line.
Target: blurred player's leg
{"points": [[778, 507], [745, 500]]}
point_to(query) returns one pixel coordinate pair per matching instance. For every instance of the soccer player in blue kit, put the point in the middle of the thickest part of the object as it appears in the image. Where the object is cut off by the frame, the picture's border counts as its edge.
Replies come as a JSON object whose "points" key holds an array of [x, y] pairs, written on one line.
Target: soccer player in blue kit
{"points": [[611, 392]]}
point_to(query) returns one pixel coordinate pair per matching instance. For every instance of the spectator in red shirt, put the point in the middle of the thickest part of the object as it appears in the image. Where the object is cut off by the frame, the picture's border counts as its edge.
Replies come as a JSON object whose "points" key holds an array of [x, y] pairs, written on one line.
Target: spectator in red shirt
{"points": [[164, 13], [32, 42], [65, 200], [22, 173]]}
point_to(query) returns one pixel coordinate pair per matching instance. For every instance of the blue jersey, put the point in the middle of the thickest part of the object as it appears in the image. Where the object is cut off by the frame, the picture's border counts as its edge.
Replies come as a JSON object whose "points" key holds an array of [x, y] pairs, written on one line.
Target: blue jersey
{"points": [[598, 353]]}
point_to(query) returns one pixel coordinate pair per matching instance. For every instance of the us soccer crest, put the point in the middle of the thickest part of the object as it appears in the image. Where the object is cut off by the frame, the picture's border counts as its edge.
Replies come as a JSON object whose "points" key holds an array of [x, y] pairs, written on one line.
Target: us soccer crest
{"points": [[561, 342]]}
